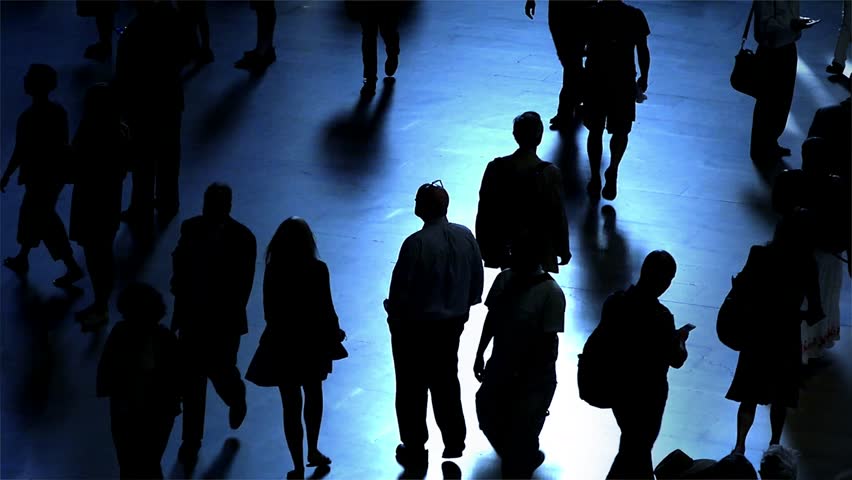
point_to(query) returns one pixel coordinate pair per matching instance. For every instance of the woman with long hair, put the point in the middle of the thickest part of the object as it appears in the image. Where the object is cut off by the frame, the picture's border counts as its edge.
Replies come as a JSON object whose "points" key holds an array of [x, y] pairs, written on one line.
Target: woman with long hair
{"points": [[297, 347]]}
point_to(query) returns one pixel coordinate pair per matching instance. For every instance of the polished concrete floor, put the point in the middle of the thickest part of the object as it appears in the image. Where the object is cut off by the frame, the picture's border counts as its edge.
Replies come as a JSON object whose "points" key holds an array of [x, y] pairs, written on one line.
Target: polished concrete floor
{"points": [[297, 142]]}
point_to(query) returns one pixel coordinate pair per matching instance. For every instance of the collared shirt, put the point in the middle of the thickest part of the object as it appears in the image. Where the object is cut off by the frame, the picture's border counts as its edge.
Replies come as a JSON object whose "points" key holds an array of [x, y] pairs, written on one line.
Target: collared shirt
{"points": [[773, 22], [438, 275]]}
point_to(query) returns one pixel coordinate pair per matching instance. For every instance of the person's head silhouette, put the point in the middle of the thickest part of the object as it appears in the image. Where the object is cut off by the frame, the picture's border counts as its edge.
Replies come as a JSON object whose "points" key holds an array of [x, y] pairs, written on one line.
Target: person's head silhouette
{"points": [[658, 271], [40, 80], [140, 302], [431, 201], [528, 129], [217, 203], [293, 242], [816, 157]]}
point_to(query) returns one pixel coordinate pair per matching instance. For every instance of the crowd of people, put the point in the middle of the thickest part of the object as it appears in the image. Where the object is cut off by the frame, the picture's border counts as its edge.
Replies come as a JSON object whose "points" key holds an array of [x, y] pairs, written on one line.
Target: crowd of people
{"points": [[151, 373]]}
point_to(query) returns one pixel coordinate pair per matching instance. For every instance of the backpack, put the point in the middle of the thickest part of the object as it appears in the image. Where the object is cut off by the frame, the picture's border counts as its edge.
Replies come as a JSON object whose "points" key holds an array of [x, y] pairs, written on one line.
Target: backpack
{"points": [[597, 373]]}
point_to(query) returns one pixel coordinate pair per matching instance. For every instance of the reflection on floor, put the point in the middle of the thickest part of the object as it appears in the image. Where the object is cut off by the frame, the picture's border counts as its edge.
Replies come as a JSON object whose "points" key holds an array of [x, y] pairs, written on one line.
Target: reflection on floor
{"points": [[298, 142]]}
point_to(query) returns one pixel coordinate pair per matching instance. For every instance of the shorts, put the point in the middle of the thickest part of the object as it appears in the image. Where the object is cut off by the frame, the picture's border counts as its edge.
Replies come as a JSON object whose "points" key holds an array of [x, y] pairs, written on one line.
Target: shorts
{"points": [[613, 107]]}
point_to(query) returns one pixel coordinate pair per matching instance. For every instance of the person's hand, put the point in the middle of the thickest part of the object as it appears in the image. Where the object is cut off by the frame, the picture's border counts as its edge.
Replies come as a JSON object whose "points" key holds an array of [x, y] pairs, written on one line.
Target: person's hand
{"points": [[683, 332], [478, 367], [563, 260], [642, 83], [529, 8], [4, 182]]}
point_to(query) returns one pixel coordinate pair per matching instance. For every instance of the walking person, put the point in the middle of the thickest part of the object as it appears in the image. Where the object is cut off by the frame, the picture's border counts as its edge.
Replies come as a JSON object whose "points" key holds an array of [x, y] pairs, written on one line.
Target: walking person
{"points": [[437, 278], [212, 279], [298, 344], [41, 154], [99, 152]]}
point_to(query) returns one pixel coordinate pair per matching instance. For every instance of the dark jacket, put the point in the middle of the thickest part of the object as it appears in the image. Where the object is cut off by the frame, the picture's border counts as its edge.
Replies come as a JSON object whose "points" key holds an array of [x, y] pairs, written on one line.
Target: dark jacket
{"points": [[139, 369], [834, 124], [213, 277], [512, 200]]}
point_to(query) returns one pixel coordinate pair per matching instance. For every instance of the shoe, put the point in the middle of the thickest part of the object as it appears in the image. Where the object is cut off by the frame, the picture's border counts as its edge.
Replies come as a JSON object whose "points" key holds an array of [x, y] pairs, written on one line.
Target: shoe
{"points": [[593, 188], [609, 190], [188, 453], [412, 459], [835, 68], [453, 452], [391, 64], [296, 474], [205, 56], [94, 321], [99, 52], [781, 151], [237, 414], [256, 62], [67, 280], [89, 311], [317, 459], [556, 123], [17, 265], [369, 88]]}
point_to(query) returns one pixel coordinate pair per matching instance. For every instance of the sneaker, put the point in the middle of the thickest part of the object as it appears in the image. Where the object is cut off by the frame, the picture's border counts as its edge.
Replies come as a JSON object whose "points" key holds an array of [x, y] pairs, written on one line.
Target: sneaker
{"points": [[609, 190], [369, 88], [412, 459], [67, 280], [391, 64], [17, 265], [781, 151], [835, 68], [317, 459], [455, 452]]}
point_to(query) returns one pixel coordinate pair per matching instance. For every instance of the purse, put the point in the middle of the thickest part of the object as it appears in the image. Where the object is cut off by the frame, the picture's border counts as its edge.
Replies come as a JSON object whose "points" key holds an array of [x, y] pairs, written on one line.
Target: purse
{"points": [[746, 74]]}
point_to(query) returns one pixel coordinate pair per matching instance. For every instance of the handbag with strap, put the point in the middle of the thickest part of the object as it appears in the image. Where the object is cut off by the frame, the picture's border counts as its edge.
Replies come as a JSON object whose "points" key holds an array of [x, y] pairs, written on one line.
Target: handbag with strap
{"points": [[746, 75]]}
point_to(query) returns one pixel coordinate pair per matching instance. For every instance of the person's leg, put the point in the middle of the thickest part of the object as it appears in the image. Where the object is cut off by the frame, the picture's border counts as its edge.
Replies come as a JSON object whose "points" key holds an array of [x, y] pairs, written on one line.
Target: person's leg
{"points": [[153, 438], [143, 143], [843, 36], [203, 25], [369, 41], [55, 237], [761, 141], [745, 418], [194, 400], [266, 16], [411, 388], [226, 378], [594, 145], [313, 421], [121, 439], [100, 261], [777, 417], [617, 147], [444, 385], [291, 401], [28, 235], [784, 86], [105, 22], [389, 29]]}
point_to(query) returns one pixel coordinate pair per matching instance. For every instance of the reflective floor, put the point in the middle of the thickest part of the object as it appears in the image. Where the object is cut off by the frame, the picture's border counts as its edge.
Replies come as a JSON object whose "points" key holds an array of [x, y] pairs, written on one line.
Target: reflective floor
{"points": [[298, 142]]}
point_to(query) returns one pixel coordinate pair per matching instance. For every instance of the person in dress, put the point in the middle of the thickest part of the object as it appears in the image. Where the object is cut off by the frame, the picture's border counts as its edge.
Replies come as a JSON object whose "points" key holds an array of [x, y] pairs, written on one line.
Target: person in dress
{"points": [[296, 349]]}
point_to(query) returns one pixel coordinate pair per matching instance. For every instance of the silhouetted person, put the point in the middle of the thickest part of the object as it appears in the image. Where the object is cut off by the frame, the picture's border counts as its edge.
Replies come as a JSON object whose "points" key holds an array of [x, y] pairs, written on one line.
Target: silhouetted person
{"points": [[834, 125], [775, 279], [844, 36], [642, 332], [151, 54], [567, 20], [194, 16], [41, 141], [680, 466], [263, 55], [526, 310], [378, 17], [295, 351], [99, 152], [777, 27], [213, 274], [436, 279], [139, 372], [519, 193], [779, 463], [104, 13], [616, 31]]}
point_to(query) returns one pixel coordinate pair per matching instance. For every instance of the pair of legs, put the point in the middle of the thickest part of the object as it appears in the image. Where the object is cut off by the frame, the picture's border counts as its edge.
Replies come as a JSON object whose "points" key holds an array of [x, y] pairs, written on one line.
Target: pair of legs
{"points": [[563, 18], [37, 222], [377, 19], [611, 106], [140, 440], [640, 423], [194, 13], [104, 13], [156, 169], [745, 418], [100, 262], [772, 106], [263, 54], [844, 36], [425, 356], [213, 357], [291, 400]]}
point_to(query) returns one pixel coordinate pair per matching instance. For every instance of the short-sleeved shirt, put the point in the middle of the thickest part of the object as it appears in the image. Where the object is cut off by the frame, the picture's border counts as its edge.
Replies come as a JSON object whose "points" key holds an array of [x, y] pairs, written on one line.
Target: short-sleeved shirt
{"points": [[41, 138], [617, 29], [527, 321]]}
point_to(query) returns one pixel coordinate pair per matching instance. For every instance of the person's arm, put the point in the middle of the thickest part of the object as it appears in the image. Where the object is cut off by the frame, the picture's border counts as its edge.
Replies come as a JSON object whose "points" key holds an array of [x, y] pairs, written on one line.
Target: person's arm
{"points": [[775, 20], [398, 301], [179, 260], [486, 218], [15, 160], [529, 8], [246, 280], [327, 302], [562, 240], [484, 340], [678, 353], [477, 274], [644, 57]]}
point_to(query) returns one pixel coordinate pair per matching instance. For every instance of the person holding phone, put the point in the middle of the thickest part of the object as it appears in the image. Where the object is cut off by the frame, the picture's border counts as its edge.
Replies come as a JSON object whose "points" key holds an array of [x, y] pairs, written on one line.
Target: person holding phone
{"points": [[641, 331], [777, 28]]}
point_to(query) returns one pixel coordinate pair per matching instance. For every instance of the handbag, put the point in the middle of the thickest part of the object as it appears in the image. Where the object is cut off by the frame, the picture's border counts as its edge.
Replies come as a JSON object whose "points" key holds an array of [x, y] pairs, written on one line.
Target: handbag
{"points": [[746, 74]]}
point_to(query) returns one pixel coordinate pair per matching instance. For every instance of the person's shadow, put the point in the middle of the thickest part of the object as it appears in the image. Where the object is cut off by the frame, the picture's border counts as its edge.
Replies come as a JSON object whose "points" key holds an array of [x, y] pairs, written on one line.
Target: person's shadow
{"points": [[841, 80], [567, 157], [222, 116], [353, 139], [223, 461]]}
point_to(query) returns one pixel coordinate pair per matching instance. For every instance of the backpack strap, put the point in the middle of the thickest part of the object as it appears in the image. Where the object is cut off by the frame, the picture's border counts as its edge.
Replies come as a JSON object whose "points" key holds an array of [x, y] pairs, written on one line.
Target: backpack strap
{"points": [[747, 25]]}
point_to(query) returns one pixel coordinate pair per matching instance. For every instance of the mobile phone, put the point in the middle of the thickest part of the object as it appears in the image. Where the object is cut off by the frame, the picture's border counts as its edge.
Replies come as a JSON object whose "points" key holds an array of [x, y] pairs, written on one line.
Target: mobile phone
{"points": [[812, 21], [688, 327]]}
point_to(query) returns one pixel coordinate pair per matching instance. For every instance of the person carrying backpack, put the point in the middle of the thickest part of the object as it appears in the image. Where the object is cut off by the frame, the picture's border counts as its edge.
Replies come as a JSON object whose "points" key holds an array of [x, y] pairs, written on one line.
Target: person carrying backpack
{"points": [[522, 193]]}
